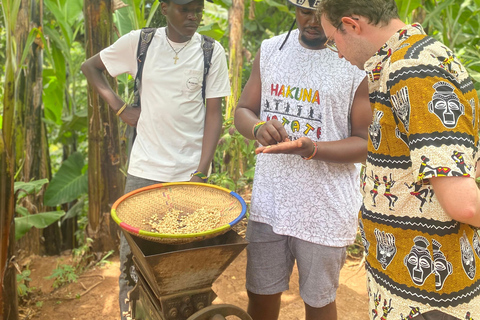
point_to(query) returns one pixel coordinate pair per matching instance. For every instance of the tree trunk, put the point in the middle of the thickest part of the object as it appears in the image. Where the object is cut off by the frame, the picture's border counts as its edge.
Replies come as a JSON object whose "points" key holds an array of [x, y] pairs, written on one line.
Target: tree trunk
{"points": [[236, 14], [105, 180], [8, 286], [32, 148]]}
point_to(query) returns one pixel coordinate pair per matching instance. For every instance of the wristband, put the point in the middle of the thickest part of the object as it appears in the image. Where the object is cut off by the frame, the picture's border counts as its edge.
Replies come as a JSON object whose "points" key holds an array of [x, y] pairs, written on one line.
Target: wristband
{"points": [[121, 109], [200, 175], [256, 127], [315, 148]]}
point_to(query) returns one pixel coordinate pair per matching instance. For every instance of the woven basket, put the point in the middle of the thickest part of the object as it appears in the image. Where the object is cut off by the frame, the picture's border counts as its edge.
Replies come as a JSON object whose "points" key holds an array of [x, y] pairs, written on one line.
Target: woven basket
{"points": [[133, 209]]}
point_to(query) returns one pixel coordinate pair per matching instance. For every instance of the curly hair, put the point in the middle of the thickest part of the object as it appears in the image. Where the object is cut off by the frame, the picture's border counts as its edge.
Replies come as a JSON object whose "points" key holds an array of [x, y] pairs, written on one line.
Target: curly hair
{"points": [[376, 11]]}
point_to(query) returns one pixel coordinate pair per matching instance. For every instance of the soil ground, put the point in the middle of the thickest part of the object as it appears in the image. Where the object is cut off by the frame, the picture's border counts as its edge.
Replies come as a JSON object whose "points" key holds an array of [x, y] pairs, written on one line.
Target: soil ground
{"points": [[95, 294]]}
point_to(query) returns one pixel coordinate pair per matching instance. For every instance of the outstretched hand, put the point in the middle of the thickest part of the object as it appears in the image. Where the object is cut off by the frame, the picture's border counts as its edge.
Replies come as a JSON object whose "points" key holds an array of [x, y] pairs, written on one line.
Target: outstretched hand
{"points": [[303, 147]]}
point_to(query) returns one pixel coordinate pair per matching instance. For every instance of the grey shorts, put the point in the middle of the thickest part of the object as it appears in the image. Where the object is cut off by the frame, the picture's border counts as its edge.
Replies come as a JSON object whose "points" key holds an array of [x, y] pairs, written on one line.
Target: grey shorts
{"points": [[134, 183], [270, 261]]}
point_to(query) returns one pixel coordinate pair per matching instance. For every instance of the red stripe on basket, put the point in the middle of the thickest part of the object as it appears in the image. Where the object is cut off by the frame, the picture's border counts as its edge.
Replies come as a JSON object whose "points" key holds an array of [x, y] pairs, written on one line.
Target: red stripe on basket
{"points": [[129, 227]]}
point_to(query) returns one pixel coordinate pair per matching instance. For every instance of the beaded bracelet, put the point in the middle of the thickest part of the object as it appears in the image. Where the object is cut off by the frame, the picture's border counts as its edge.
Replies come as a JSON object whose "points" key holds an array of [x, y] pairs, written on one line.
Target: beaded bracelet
{"points": [[256, 127], [200, 175], [315, 149], [121, 109]]}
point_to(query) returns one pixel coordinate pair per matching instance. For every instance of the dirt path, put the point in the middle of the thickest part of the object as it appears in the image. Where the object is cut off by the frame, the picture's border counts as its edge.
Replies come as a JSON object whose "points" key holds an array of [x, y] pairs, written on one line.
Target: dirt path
{"points": [[94, 295]]}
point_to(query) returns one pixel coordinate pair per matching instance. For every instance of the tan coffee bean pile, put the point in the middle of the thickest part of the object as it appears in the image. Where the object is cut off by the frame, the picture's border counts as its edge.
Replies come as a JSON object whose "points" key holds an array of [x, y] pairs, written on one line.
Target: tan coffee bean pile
{"points": [[174, 222]]}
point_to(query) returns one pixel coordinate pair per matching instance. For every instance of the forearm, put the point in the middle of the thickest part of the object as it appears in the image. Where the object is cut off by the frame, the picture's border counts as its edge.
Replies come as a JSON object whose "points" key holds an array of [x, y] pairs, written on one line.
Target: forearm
{"points": [[93, 69], [245, 119], [459, 197], [350, 150], [99, 82], [211, 135]]}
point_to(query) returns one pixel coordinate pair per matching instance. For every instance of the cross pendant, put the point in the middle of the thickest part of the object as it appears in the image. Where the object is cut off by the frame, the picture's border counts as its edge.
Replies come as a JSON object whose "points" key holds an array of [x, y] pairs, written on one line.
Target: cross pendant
{"points": [[175, 58]]}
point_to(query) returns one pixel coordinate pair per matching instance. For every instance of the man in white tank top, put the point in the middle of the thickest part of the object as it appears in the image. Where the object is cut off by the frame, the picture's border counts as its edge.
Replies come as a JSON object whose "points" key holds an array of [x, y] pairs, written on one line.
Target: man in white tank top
{"points": [[302, 101]]}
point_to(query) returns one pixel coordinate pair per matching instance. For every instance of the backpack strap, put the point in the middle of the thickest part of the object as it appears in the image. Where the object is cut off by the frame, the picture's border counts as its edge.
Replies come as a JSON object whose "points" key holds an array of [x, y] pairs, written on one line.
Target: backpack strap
{"points": [[146, 36], [207, 47]]}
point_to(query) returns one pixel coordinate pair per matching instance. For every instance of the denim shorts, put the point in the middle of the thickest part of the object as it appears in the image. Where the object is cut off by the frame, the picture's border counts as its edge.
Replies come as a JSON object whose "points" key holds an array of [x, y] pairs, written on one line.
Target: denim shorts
{"points": [[270, 261]]}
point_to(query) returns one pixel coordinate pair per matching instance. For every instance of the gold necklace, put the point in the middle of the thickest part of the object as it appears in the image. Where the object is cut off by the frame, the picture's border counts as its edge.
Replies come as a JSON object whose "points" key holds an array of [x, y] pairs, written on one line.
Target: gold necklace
{"points": [[176, 52]]}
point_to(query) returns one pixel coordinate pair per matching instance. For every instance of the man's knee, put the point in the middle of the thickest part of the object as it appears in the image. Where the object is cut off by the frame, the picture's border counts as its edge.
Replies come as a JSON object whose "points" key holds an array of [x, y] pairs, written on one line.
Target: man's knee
{"points": [[327, 312], [264, 298]]}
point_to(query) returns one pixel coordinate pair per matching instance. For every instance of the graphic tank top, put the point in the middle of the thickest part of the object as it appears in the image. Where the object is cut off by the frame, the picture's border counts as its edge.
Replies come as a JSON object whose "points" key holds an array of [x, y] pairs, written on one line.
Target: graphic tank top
{"points": [[311, 93]]}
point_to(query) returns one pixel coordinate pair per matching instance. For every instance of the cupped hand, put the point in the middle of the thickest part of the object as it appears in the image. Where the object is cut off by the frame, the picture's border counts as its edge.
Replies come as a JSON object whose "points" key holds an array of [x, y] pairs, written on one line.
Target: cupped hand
{"points": [[303, 147], [271, 133]]}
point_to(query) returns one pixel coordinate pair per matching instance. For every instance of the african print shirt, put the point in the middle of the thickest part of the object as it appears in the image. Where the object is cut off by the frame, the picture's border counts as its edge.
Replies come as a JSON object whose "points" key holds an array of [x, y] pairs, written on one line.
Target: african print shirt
{"points": [[425, 124]]}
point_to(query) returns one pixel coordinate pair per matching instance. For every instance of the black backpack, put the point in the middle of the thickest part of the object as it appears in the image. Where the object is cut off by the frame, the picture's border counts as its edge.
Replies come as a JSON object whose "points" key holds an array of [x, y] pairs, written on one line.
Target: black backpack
{"points": [[146, 36]]}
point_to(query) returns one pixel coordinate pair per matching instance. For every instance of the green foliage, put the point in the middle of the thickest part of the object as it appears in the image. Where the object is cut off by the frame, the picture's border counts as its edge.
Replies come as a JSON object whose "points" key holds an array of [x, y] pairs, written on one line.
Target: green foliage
{"points": [[82, 255], [82, 220], [104, 260], [69, 183], [64, 95], [234, 154], [39, 220], [63, 274], [2, 55], [406, 8], [138, 14], [23, 189], [356, 249], [23, 281], [66, 273], [25, 221], [76, 210], [271, 18]]}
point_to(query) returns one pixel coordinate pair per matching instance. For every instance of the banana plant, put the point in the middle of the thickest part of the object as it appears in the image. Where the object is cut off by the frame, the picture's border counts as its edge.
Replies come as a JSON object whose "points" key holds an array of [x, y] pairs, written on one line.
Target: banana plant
{"points": [[24, 220], [69, 183], [8, 289], [64, 57], [407, 8]]}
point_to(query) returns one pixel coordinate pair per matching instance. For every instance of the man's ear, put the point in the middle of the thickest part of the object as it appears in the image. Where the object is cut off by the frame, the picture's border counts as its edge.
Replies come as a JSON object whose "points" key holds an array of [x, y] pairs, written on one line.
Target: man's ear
{"points": [[351, 24], [164, 7]]}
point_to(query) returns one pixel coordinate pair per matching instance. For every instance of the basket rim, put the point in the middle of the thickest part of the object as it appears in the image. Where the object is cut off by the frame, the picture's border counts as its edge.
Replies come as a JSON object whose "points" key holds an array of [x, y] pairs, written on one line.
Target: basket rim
{"points": [[138, 231]]}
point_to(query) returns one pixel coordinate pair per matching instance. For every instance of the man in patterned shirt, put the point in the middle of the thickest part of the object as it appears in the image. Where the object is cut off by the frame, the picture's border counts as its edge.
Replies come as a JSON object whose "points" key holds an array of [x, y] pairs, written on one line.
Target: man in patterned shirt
{"points": [[423, 244]]}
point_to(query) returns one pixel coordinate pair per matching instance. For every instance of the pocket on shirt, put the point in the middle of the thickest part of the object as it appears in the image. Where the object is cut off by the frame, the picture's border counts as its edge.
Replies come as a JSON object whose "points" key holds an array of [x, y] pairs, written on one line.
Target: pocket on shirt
{"points": [[192, 84]]}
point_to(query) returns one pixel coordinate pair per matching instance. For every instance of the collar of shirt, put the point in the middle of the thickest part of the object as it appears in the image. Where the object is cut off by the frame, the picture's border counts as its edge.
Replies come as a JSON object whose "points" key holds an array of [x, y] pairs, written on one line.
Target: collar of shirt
{"points": [[392, 45]]}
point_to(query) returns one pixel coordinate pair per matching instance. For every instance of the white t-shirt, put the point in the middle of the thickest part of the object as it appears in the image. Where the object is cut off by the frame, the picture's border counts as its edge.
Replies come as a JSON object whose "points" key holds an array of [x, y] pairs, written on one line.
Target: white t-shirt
{"points": [[311, 93], [170, 128]]}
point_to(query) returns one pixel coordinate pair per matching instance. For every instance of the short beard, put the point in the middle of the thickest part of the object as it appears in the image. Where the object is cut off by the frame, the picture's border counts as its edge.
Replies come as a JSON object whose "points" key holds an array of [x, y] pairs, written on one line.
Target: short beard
{"points": [[316, 43]]}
